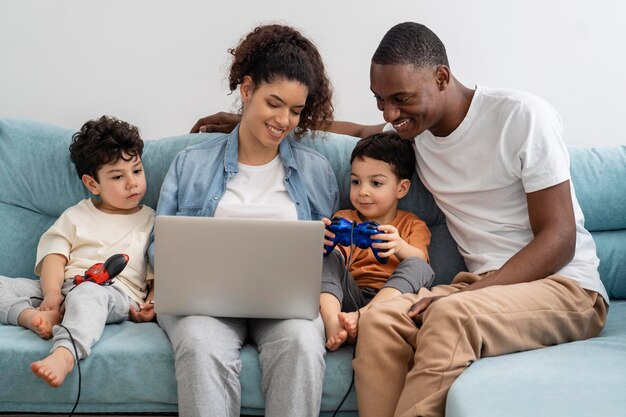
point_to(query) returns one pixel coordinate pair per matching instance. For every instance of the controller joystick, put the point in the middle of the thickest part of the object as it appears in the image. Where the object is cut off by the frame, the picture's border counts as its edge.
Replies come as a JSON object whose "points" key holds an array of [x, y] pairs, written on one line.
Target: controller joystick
{"points": [[348, 233]]}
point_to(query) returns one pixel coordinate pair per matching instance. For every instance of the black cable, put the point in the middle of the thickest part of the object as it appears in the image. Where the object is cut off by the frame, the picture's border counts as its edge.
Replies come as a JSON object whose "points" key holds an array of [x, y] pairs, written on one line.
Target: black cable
{"points": [[345, 397], [77, 366], [65, 296], [75, 357]]}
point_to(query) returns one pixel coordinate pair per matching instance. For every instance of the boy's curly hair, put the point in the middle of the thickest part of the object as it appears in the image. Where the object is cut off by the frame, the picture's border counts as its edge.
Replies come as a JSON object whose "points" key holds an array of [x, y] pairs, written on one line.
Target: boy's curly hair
{"points": [[274, 52], [100, 142], [390, 148]]}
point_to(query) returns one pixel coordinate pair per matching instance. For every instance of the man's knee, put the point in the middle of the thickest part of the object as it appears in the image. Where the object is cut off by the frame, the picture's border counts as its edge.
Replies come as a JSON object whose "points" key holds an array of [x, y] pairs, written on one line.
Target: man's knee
{"points": [[447, 310], [379, 317]]}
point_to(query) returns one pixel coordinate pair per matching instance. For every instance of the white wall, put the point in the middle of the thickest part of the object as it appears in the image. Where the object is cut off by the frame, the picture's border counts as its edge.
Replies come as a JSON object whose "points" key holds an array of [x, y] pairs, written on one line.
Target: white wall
{"points": [[162, 64]]}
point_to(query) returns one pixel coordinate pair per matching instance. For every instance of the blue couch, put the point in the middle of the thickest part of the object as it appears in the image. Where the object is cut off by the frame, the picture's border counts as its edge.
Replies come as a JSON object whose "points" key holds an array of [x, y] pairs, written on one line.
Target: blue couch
{"points": [[131, 369]]}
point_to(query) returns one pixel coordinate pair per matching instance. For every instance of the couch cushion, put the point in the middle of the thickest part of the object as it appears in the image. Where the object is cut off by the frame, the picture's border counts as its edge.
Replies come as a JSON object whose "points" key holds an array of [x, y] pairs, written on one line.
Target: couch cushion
{"points": [[599, 178], [611, 249], [113, 377], [128, 355], [578, 379]]}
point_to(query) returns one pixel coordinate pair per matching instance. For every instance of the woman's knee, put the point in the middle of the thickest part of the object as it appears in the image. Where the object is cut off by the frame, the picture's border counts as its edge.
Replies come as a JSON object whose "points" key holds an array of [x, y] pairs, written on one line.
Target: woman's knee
{"points": [[304, 336], [192, 339]]}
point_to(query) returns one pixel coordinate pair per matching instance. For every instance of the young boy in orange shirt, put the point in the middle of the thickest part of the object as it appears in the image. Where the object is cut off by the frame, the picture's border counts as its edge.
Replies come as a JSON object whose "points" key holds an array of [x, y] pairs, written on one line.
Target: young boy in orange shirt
{"points": [[353, 279]]}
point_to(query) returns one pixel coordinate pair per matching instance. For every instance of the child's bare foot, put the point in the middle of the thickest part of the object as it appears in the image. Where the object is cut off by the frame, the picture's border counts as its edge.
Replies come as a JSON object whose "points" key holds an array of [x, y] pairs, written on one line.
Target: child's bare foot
{"points": [[54, 368], [335, 341], [40, 322], [350, 322]]}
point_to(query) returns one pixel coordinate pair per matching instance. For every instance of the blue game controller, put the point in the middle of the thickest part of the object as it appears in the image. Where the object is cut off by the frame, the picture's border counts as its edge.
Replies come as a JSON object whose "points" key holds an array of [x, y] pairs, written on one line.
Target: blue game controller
{"points": [[347, 233]]}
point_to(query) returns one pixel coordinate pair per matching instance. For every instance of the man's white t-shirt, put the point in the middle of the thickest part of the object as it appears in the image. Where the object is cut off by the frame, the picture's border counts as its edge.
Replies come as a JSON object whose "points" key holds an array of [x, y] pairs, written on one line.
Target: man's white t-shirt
{"points": [[86, 236], [258, 192], [509, 144]]}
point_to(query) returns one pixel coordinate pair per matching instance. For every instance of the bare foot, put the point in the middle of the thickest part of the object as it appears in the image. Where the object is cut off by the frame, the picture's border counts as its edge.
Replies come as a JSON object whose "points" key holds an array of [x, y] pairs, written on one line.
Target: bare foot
{"points": [[335, 341], [40, 322], [335, 334], [54, 368], [350, 322]]}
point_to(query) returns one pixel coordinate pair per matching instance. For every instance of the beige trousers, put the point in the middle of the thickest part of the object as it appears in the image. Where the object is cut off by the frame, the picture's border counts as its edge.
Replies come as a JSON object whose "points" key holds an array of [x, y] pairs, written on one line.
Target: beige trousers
{"points": [[402, 370]]}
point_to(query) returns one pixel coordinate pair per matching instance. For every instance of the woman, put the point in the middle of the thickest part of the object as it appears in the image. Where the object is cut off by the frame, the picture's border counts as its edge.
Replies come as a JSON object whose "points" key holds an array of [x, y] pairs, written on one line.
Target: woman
{"points": [[256, 171]]}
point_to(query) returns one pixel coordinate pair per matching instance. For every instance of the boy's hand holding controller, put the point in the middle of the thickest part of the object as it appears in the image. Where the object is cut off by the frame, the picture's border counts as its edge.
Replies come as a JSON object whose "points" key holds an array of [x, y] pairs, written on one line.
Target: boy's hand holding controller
{"points": [[344, 232], [392, 243], [328, 235]]}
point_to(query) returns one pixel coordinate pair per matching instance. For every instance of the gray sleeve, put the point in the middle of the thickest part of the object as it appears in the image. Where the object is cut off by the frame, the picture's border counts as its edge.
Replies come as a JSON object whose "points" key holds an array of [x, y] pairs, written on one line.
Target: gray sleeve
{"points": [[411, 275]]}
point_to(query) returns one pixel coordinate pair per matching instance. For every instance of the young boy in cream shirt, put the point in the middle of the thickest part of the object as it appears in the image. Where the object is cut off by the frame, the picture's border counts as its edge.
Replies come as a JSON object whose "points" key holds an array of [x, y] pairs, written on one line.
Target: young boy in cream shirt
{"points": [[107, 156]]}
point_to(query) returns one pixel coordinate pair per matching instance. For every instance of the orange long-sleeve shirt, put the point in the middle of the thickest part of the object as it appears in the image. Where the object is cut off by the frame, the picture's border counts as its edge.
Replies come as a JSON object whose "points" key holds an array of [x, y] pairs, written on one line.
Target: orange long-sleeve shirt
{"points": [[365, 268]]}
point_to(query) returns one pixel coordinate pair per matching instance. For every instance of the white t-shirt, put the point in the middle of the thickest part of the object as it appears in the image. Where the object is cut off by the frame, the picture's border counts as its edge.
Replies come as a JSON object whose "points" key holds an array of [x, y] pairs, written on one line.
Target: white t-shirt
{"points": [[509, 144], [86, 236], [257, 192]]}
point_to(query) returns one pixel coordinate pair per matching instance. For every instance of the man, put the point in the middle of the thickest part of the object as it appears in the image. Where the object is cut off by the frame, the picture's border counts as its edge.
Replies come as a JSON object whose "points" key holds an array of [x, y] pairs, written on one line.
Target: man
{"points": [[497, 167]]}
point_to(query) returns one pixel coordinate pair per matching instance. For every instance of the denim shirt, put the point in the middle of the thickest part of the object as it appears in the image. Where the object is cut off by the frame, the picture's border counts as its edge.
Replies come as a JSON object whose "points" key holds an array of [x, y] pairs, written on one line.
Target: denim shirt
{"points": [[196, 181]]}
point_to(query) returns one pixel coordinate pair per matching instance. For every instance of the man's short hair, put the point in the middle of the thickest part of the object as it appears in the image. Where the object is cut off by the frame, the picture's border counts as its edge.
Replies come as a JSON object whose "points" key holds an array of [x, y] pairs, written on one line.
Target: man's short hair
{"points": [[103, 141], [411, 43], [390, 148]]}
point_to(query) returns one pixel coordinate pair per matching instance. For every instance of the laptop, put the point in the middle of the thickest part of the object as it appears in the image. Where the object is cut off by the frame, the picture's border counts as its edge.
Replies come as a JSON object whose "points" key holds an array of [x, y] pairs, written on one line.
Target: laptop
{"points": [[238, 267]]}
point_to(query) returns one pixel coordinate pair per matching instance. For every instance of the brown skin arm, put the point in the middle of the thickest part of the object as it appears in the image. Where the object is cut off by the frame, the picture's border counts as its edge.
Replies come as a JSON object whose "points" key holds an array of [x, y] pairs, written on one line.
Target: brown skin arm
{"points": [[225, 123], [51, 281], [355, 129], [219, 122], [551, 215]]}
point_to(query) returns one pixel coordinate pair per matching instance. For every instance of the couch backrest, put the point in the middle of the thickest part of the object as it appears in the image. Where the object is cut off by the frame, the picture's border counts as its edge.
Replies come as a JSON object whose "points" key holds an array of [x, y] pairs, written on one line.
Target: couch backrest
{"points": [[599, 178], [38, 182]]}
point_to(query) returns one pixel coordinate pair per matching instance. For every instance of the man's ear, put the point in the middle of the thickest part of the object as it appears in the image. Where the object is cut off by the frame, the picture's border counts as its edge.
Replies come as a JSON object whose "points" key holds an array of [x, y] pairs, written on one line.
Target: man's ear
{"points": [[91, 184], [246, 88], [403, 188], [442, 74]]}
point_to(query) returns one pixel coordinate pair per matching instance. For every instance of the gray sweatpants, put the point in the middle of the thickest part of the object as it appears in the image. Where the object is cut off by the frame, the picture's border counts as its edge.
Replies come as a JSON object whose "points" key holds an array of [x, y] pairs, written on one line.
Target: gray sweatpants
{"points": [[408, 277], [208, 363], [88, 307]]}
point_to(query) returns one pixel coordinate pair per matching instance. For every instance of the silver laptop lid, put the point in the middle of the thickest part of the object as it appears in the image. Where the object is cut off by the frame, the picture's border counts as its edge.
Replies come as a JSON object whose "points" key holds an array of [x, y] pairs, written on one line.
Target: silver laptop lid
{"points": [[238, 267]]}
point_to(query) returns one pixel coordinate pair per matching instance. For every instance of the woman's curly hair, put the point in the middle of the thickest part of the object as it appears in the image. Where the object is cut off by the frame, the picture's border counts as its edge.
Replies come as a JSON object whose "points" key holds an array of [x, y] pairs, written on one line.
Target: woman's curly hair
{"points": [[273, 52], [100, 142]]}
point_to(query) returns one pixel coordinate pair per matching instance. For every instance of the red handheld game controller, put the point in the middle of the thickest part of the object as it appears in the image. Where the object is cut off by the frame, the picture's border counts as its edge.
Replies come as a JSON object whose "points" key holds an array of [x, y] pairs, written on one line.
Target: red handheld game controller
{"points": [[103, 273]]}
